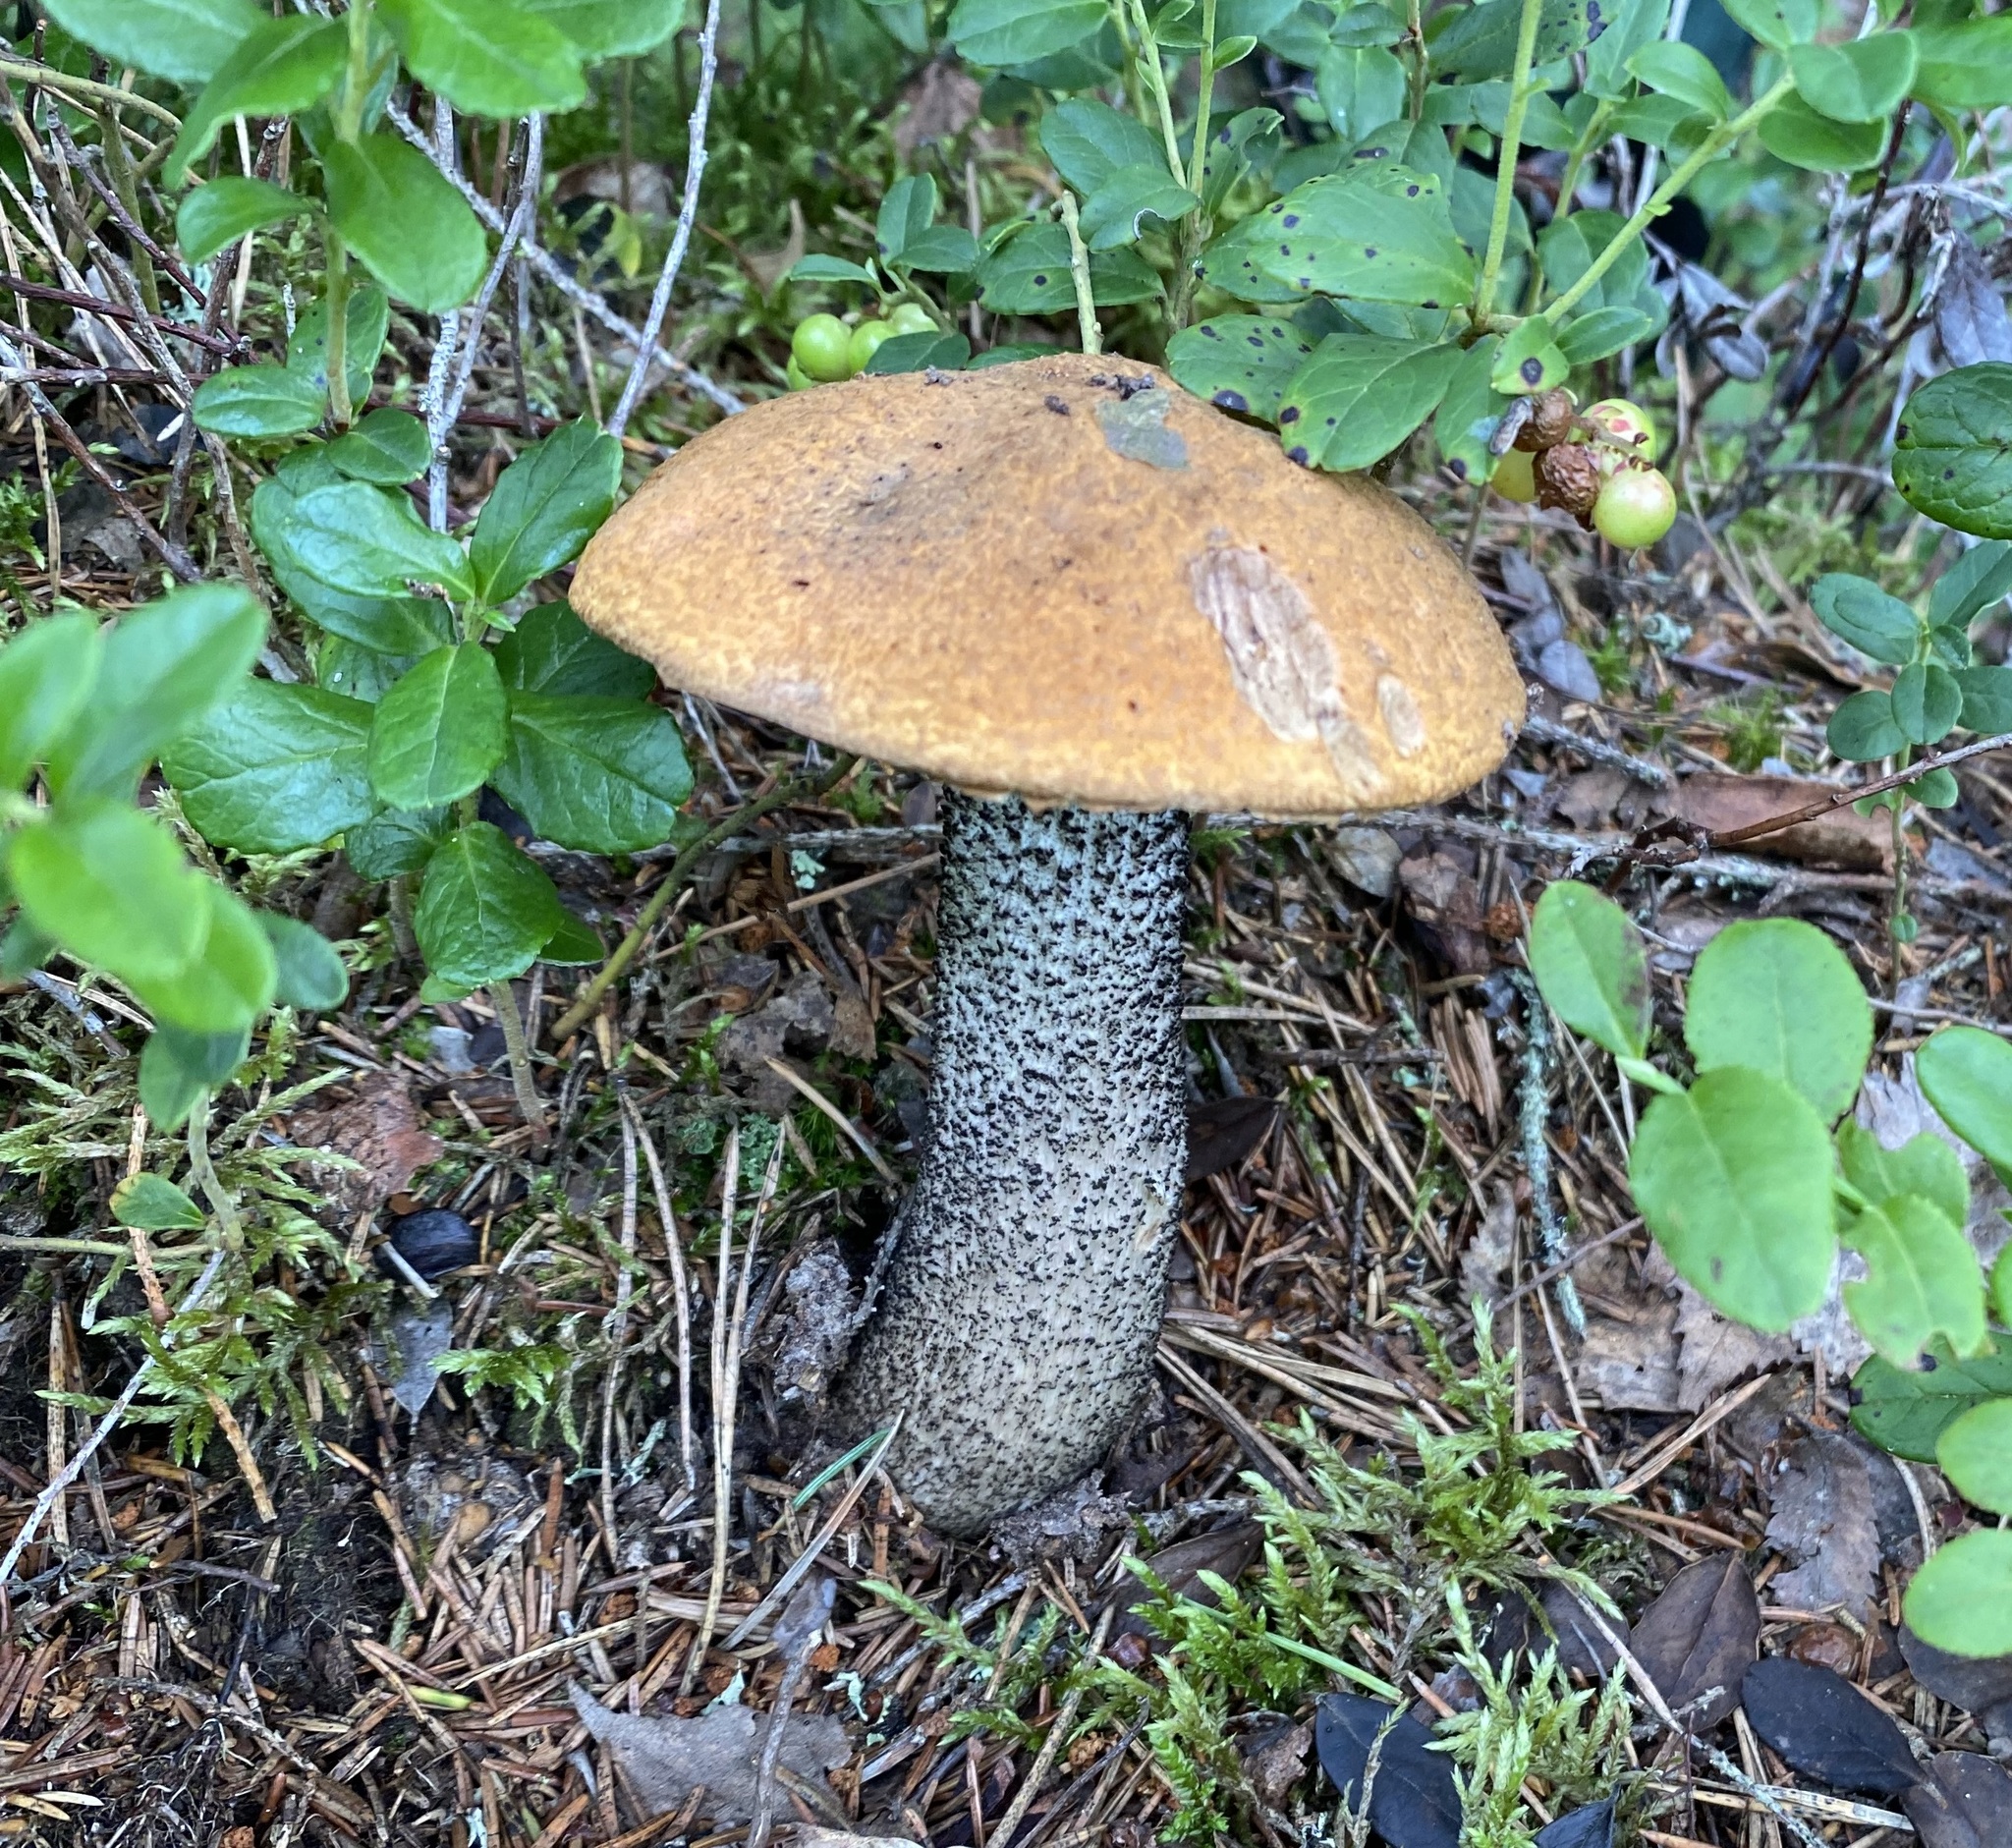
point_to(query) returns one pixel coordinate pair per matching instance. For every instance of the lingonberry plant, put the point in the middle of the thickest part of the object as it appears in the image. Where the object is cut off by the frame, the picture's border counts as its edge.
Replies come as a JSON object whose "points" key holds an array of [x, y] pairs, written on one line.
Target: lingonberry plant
{"points": [[1751, 1174]]}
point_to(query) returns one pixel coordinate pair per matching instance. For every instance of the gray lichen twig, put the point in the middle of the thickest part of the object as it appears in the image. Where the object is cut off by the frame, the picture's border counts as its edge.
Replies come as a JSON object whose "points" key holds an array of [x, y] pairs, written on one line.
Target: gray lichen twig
{"points": [[591, 301], [795, 1636], [1532, 1106], [688, 215], [681, 1282]]}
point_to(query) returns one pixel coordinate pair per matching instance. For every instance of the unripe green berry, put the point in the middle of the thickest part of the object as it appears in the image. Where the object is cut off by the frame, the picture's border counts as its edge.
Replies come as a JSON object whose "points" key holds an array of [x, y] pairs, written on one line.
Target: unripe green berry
{"points": [[911, 318], [1513, 478], [1635, 507], [867, 341], [822, 346], [1619, 424], [798, 378]]}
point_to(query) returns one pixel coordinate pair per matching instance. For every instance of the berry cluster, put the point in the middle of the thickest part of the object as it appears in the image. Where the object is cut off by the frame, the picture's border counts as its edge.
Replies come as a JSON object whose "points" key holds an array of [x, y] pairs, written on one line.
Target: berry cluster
{"points": [[824, 350], [1598, 466]]}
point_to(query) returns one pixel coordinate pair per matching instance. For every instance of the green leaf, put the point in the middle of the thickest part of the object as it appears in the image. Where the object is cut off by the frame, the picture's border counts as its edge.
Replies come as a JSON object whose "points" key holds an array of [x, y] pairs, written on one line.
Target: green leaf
{"points": [[1862, 79], [1953, 455], [1631, 25], [1029, 274], [364, 322], [603, 776], [551, 650], [1967, 1074], [1601, 332], [942, 250], [1479, 41], [1906, 1412], [1229, 51], [1776, 995], [1663, 122], [1086, 142], [906, 211], [1924, 1164], [279, 68], [1592, 967], [162, 668], [278, 768], [1960, 1599], [1381, 233], [1965, 63], [111, 886], [1795, 133], [389, 447], [2002, 1287], [830, 270], [1360, 87], [358, 673], [1233, 263], [1250, 138], [150, 1203], [575, 942], [223, 212], [1116, 212], [1014, 32], [1927, 702], [358, 539], [1934, 789], [258, 401], [1975, 1452], [1471, 413], [439, 732], [487, 56], [1683, 72], [1528, 360], [227, 984], [1980, 578], [1733, 1177], [1872, 622], [545, 507], [405, 223], [1987, 699], [1359, 396], [1924, 1280], [1241, 362], [177, 1069], [47, 674], [185, 41], [485, 911], [1776, 23], [1864, 730], [611, 29], [311, 975], [919, 352], [1566, 250], [398, 840]]}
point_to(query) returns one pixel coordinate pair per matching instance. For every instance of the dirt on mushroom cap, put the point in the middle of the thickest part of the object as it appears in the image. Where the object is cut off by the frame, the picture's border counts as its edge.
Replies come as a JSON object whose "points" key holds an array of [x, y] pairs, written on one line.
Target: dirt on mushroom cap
{"points": [[1064, 578]]}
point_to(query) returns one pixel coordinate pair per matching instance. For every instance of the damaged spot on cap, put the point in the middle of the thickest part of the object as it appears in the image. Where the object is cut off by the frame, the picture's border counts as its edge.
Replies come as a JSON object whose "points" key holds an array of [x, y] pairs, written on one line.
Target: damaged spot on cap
{"points": [[1135, 426], [1401, 716], [1281, 659]]}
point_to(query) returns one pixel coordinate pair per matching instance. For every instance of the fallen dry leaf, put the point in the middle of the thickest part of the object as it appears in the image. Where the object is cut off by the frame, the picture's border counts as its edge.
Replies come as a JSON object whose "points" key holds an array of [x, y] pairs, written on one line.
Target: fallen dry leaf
{"points": [[376, 1127], [1721, 803], [1699, 1637], [667, 1759], [1823, 1522]]}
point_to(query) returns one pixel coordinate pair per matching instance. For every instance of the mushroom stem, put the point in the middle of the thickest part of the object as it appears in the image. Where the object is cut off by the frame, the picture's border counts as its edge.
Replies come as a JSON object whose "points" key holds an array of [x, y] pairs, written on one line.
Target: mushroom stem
{"points": [[1028, 1271]]}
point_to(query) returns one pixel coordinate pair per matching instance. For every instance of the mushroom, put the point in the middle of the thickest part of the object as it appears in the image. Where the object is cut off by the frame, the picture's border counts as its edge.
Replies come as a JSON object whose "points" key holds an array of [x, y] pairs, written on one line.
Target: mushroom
{"points": [[1088, 602]]}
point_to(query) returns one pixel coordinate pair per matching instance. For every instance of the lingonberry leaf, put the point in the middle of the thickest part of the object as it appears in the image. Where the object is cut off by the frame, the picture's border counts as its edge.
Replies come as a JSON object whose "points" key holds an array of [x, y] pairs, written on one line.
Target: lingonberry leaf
{"points": [[439, 732], [279, 68], [309, 972], [1924, 1279], [152, 1202], [551, 650], [1975, 1452], [1924, 1164], [405, 224], [1359, 396], [1905, 1410], [1241, 362], [603, 776], [185, 41], [485, 911], [545, 507], [1867, 617], [223, 212], [1952, 455], [228, 984], [389, 447], [47, 674]]}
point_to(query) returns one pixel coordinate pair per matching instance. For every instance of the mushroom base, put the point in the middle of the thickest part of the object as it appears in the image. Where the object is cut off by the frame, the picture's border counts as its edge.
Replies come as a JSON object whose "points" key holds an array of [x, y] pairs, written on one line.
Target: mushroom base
{"points": [[1028, 1278]]}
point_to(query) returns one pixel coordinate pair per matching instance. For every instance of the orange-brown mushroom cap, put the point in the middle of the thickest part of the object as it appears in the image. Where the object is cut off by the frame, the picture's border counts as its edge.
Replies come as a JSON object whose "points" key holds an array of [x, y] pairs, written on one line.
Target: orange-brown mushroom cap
{"points": [[1066, 579]]}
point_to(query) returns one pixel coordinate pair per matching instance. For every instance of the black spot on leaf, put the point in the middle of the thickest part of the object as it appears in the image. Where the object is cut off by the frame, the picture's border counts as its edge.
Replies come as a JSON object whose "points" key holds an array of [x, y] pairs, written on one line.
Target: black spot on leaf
{"points": [[1231, 401], [1290, 415]]}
